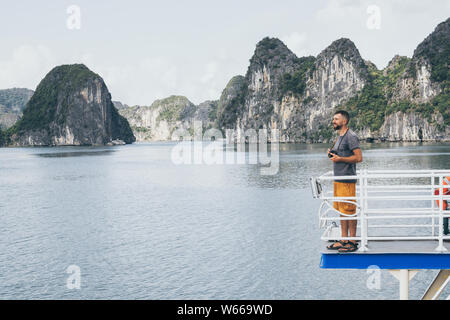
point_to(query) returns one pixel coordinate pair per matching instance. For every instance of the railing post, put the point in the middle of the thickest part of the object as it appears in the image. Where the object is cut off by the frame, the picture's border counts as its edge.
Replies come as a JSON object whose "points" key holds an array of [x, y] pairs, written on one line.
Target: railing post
{"points": [[433, 224], [441, 247], [363, 204]]}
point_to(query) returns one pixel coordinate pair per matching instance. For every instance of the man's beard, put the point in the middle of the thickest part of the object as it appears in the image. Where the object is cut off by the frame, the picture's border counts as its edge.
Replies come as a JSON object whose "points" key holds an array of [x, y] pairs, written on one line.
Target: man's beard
{"points": [[337, 127]]}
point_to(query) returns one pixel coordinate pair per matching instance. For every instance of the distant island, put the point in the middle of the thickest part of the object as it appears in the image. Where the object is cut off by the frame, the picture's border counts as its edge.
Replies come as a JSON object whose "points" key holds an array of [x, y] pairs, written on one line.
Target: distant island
{"points": [[406, 101], [71, 106]]}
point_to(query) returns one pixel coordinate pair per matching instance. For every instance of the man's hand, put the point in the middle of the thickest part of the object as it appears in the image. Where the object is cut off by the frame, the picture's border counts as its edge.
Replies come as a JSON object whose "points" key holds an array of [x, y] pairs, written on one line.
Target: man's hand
{"points": [[335, 158], [355, 158]]}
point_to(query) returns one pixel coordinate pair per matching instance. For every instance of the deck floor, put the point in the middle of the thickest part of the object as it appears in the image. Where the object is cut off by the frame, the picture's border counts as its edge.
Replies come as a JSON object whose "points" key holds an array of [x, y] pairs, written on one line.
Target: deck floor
{"points": [[396, 246], [388, 254]]}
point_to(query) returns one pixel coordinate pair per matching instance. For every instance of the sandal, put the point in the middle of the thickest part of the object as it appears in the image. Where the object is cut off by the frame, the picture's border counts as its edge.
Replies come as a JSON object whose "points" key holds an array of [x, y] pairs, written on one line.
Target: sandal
{"points": [[336, 245], [349, 247]]}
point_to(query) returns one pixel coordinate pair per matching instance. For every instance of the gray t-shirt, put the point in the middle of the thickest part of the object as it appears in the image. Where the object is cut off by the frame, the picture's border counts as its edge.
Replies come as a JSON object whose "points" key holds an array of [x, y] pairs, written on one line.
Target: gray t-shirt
{"points": [[344, 147]]}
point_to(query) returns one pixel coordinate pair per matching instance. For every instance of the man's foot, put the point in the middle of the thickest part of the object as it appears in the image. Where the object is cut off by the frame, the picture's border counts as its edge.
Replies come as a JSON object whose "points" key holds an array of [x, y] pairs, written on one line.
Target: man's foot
{"points": [[336, 245], [350, 246]]}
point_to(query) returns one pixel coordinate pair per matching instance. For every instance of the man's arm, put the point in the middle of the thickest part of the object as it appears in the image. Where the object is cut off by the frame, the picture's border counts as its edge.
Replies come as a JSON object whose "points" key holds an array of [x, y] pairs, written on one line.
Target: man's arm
{"points": [[355, 158]]}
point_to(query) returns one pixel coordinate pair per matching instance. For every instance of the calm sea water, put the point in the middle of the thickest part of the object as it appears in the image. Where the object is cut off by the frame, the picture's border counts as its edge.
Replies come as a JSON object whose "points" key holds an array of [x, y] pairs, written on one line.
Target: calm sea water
{"points": [[141, 227]]}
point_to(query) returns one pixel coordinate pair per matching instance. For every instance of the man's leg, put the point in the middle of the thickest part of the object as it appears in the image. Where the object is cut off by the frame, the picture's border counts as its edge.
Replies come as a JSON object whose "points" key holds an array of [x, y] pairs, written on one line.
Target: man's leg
{"points": [[352, 227], [348, 227], [344, 226], [338, 244], [351, 209], [337, 192]]}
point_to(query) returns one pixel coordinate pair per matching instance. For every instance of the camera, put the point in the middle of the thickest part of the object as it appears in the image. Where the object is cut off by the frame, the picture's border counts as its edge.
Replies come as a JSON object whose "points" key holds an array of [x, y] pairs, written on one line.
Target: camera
{"points": [[332, 152]]}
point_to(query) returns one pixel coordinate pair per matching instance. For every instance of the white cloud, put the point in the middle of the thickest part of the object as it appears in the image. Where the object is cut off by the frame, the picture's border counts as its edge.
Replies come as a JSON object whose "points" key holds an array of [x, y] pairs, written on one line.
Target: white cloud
{"points": [[336, 9], [211, 71], [142, 82], [26, 66], [402, 25], [296, 42], [210, 79], [340, 15], [216, 74]]}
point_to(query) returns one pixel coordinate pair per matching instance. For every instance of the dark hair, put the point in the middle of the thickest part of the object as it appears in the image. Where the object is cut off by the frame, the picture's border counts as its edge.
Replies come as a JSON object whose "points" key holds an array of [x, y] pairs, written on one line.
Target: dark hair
{"points": [[344, 114]]}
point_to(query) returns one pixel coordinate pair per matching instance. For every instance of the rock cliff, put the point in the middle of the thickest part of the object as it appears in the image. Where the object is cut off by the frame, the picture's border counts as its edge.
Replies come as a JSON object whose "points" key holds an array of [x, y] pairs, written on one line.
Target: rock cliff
{"points": [[406, 101], [158, 121], [12, 102], [297, 95], [71, 106]]}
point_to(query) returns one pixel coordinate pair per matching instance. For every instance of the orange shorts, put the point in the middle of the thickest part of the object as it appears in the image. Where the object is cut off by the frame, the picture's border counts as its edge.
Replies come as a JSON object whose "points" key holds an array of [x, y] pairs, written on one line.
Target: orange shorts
{"points": [[344, 189]]}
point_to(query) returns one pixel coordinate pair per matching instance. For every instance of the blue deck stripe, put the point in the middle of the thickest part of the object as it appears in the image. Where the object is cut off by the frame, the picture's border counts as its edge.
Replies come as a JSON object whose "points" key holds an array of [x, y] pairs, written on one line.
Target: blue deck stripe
{"points": [[385, 261]]}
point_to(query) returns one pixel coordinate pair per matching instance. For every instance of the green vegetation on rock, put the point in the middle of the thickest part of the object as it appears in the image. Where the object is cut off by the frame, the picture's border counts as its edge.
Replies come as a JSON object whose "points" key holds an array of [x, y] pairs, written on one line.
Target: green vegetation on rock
{"points": [[212, 114], [373, 103], [370, 106], [296, 83], [40, 110], [15, 99], [231, 102], [71, 105], [436, 50], [174, 108]]}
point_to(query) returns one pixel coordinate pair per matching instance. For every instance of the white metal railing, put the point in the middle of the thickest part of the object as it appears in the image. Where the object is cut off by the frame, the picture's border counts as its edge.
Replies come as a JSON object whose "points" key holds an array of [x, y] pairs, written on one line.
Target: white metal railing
{"points": [[382, 198]]}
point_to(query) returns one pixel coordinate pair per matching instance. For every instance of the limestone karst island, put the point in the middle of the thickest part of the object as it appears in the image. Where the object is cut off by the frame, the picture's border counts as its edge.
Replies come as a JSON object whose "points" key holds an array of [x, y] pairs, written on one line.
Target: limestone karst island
{"points": [[406, 101]]}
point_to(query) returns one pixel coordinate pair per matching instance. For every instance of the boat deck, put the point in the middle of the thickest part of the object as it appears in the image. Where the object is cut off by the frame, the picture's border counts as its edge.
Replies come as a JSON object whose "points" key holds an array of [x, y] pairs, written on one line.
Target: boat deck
{"points": [[390, 254]]}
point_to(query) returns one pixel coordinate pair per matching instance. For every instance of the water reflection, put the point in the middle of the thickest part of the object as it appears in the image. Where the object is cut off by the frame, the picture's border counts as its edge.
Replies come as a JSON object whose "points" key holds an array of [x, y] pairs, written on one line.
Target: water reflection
{"points": [[74, 154]]}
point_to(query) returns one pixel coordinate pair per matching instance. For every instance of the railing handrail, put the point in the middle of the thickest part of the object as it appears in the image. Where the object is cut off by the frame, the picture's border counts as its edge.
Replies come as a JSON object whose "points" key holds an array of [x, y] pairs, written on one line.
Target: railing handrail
{"points": [[367, 194]]}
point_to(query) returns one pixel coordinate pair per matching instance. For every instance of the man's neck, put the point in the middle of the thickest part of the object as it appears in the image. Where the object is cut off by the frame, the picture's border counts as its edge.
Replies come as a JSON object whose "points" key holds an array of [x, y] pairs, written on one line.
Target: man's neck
{"points": [[343, 130]]}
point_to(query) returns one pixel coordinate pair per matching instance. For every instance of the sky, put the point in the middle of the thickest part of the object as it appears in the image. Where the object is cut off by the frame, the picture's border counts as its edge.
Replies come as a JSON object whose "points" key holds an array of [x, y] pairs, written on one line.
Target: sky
{"points": [[148, 50]]}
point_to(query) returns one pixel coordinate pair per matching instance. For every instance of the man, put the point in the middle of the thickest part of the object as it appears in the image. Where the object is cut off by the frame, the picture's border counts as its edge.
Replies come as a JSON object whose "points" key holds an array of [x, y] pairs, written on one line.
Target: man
{"points": [[344, 154]]}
